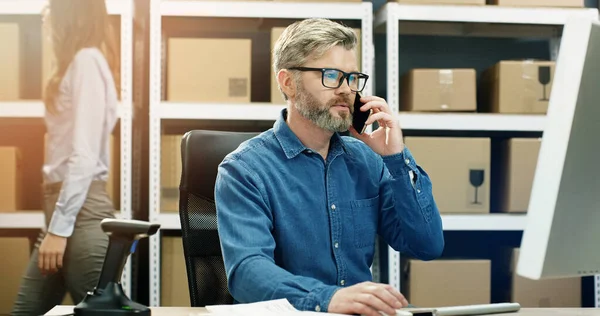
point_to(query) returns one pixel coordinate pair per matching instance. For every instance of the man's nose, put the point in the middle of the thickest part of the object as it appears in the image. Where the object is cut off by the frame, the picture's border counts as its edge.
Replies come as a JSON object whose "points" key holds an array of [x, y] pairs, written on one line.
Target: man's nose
{"points": [[344, 88]]}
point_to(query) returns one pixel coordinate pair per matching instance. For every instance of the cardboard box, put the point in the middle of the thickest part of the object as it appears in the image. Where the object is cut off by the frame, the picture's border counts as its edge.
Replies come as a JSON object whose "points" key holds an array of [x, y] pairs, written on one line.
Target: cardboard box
{"points": [[170, 172], [10, 179], [517, 87], [442, 283], [439, 90], [460, 2], [459, 169], [276, 97], [209, 70], [544, 293], [174, 283], [540, 3], [13, 268], [113, 184], [9, 62], [520, 156]]}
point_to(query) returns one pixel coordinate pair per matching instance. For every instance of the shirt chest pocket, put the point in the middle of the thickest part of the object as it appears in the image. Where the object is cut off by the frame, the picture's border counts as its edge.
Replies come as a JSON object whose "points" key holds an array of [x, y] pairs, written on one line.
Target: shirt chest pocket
{"points": [[364, 215]]}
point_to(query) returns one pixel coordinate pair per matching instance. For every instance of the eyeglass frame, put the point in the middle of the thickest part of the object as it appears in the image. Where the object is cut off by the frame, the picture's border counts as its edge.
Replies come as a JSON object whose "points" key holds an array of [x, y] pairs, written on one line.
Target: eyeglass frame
{"points": [[345, 76]]}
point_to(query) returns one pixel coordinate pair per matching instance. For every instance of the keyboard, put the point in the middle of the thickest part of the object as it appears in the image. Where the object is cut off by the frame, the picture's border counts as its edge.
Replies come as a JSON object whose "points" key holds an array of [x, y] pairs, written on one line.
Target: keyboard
{"points": [[466, 310]]}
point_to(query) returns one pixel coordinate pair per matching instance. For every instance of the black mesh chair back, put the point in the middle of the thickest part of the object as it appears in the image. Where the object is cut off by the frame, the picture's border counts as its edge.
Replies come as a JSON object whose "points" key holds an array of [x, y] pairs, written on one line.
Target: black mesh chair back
{"points": [[201, 152]]}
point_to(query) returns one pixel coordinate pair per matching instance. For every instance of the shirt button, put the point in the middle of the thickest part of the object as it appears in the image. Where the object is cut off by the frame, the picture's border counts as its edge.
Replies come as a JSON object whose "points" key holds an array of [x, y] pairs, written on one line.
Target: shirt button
{"points": [[317, 308], [407, 161], [336, 245], [333, 207], [342, 282], [418, 191]]}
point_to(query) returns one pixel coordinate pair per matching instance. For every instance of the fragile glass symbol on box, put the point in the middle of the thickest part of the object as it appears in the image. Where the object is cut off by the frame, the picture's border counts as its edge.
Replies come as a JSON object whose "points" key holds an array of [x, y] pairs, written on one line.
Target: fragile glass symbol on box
{"points": [[544, 79], [476, 177]]}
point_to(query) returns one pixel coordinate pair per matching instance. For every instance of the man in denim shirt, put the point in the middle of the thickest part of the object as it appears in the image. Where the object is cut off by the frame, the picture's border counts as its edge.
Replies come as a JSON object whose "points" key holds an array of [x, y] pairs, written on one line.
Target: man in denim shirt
{"points": [[299, 206]]}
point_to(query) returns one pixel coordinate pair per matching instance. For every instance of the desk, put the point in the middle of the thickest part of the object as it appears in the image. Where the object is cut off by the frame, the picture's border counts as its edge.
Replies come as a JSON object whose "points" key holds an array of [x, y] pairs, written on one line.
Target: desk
{"points": [[156, 311], [186, 311]]}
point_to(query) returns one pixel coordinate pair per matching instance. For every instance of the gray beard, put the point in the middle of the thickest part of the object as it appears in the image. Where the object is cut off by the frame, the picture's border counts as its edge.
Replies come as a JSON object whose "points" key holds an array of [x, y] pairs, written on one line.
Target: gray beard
{"points": [[318, 113]]}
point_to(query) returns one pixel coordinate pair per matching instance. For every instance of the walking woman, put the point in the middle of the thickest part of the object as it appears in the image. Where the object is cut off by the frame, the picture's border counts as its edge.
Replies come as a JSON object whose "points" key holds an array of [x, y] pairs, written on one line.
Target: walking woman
{"points": [[81, 111]]}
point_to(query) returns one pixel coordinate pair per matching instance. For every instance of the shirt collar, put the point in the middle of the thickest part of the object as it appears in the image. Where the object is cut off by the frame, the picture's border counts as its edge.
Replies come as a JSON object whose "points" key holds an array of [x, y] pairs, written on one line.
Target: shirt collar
{"points": [[292, 146]]}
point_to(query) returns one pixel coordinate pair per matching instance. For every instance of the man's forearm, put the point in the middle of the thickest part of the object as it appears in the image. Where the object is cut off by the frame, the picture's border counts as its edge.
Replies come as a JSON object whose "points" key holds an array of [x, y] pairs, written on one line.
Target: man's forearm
{"points": [[415, 208], [259, 279]]}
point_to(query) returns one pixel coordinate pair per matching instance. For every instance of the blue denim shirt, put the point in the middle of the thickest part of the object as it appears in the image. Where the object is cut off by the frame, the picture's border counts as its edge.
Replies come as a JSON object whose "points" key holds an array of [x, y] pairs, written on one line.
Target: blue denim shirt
{"points": [[293, 225]]}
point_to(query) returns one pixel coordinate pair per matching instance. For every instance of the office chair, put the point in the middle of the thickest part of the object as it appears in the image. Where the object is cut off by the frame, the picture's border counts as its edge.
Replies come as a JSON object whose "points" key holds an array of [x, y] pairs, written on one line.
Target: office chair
{"points": [[201, 152]]}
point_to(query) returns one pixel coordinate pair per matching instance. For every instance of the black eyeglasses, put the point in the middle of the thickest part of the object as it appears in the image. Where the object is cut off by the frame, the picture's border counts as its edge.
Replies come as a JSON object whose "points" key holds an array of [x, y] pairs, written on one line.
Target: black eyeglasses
{"points": [[333, 78]]}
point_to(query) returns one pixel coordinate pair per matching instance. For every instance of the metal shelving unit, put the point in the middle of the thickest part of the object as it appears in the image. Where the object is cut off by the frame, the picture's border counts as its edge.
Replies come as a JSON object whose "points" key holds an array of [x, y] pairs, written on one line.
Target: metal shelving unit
{"points": [[472, 122], [162, 110], [396, 19], [451, 222], [35, 109]]}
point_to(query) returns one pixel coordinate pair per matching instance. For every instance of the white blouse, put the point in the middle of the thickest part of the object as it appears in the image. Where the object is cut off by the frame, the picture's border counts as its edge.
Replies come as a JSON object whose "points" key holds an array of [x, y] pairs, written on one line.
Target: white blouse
{"points": [[77, 150]]}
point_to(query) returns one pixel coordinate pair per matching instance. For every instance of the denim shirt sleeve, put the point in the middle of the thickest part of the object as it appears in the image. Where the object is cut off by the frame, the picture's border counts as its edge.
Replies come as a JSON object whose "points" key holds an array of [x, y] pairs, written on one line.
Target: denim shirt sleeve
{"points": [[409, 220], [245, 223]]}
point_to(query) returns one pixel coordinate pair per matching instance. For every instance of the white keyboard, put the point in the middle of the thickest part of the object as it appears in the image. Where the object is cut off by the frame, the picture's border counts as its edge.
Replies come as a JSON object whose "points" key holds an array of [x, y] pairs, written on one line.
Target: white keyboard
{"points": [[466, 310]]}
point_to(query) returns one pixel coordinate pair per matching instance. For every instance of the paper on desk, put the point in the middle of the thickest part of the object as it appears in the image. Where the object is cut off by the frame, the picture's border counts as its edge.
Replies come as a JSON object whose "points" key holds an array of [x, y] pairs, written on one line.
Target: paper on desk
{"points": [[280, 307]]}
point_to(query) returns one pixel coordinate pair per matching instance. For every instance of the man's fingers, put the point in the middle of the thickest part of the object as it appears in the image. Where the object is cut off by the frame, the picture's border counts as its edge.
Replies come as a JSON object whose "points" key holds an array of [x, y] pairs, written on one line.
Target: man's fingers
{"points": [[392, 290], [365, 309], [385, 118], [374, 302], [388, 297], [370, 98], [376, 106]]}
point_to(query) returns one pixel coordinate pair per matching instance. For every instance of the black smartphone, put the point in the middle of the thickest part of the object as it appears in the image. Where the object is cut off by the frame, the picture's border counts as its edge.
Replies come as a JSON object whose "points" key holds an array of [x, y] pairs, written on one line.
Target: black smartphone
{"points": [[359, 118]]}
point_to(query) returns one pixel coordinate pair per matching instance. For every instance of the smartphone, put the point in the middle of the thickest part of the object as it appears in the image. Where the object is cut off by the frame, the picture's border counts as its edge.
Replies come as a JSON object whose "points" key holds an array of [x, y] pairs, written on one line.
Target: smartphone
{"points": [[359, 118]]}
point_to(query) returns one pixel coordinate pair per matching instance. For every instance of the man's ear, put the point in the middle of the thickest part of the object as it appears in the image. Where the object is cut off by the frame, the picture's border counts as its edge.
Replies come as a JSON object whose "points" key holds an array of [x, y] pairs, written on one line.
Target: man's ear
{"points": [[286, 82]]}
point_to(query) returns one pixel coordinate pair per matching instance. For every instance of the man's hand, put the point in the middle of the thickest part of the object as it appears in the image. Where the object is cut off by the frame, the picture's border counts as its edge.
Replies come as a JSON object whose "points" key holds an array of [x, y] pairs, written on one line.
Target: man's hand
{"points": [[368, 299], [51, 253], [387, 139]]}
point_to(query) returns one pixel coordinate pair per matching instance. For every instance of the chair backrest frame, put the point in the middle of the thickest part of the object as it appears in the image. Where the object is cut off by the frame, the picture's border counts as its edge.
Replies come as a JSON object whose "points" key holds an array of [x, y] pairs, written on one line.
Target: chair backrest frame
{"points": [[201, 153]]}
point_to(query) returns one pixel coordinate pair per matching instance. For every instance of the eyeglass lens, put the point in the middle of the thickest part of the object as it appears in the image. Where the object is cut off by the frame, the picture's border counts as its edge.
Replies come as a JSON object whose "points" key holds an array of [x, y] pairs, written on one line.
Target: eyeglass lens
{"points": [[332, 78]]}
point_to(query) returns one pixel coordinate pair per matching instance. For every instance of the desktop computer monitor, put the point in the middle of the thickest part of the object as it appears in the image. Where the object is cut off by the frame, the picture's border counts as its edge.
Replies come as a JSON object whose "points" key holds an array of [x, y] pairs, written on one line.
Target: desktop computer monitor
{"points": [[562, 233]]}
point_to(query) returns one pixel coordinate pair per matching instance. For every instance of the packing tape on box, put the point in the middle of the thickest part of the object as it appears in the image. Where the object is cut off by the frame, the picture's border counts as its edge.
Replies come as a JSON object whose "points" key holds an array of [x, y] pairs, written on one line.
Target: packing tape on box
{"points": [[530, 82], [446, 80]]}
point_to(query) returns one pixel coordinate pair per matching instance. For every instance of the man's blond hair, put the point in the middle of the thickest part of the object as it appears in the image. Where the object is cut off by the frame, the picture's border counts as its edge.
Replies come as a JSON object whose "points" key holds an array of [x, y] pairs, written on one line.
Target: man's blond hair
{"points": [[310, 38]]}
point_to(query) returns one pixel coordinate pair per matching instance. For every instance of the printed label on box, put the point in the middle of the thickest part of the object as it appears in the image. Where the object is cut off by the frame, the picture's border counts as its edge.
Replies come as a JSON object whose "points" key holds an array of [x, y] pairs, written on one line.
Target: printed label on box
{"points": [[238, 87]]}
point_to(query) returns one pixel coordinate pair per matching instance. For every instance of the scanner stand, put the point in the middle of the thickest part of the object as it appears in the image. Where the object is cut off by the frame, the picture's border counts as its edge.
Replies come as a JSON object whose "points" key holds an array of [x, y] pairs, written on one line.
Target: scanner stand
{"points": [[108, 297], [111, 301]]}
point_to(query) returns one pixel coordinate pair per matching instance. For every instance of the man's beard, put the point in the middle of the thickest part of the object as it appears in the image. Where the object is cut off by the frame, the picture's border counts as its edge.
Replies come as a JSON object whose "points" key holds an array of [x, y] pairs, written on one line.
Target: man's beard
{"points": [[318, 113]]}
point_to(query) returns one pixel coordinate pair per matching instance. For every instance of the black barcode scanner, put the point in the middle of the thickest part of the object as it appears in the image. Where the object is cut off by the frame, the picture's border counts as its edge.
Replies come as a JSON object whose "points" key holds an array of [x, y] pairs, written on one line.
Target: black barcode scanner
{"points": [[108, 297]]}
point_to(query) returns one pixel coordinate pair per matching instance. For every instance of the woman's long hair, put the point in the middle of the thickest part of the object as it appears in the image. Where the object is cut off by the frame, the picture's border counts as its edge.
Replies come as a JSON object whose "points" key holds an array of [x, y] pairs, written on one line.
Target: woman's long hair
{"points": [[74, 25]]}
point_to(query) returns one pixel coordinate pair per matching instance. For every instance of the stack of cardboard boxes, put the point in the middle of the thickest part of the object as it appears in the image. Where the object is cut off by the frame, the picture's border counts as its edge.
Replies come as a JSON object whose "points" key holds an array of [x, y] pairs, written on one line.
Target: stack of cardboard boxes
{"points": [[11, 171], [460, 170], [510, 87]]}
